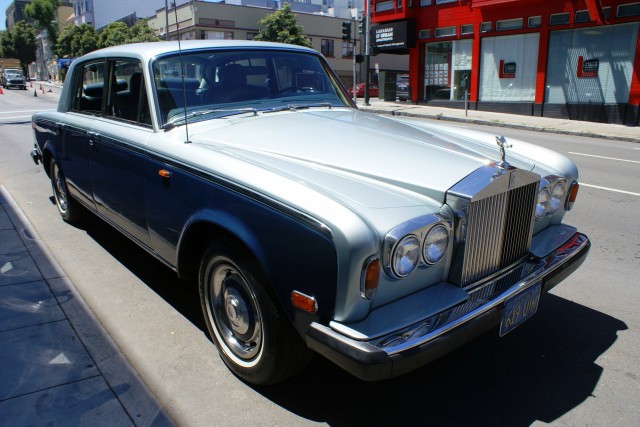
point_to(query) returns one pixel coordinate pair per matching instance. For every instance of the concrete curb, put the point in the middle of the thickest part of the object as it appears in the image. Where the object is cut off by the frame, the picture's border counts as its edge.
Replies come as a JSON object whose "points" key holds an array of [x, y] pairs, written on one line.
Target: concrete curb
{"points": [[482, 122]]}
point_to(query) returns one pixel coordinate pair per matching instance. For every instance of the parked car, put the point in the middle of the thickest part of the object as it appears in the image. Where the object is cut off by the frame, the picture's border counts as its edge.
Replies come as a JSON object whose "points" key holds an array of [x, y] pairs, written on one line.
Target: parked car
{"points": [[12, 77], [360, 87], [309, 225], [402, 88]]}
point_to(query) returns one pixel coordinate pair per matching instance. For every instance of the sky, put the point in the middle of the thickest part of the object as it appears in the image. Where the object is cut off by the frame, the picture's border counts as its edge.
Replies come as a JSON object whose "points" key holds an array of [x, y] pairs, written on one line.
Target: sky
{"points": [[4, 4]]}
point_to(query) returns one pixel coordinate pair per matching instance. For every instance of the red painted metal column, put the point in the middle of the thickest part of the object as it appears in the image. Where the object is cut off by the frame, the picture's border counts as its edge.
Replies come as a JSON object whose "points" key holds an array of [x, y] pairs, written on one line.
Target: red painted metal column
{"points": [[541, 73], [634, 92], [474, 88]]}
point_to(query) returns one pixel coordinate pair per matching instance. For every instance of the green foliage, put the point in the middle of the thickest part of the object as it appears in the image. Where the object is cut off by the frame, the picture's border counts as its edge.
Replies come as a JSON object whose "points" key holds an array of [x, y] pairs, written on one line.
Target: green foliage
{"points": [[19, 43], [282, 26], [6, 44], [44, 14], [141, 32], [116, 33], [76, 41]]}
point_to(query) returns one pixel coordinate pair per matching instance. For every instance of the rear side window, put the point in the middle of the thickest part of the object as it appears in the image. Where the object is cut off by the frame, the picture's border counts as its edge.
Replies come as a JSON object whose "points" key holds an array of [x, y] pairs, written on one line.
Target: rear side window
{"points": [[127, 96], [89, 88]]}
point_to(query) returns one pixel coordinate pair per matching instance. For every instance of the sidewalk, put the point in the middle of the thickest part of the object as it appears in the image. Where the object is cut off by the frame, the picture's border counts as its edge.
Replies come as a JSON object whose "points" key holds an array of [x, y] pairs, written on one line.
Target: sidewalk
{"points": [[58, 365], [516, 121]]}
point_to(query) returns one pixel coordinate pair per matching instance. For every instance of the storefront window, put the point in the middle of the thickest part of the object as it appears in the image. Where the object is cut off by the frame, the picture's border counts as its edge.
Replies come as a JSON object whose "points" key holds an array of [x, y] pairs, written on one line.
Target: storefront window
{"points": [[447, 70], [508, 68], [591, 65]]}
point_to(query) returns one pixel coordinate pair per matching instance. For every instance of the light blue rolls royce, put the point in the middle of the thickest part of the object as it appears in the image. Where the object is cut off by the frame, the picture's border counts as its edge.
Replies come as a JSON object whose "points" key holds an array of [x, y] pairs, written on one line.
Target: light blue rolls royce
{"points": [[309, 225]]}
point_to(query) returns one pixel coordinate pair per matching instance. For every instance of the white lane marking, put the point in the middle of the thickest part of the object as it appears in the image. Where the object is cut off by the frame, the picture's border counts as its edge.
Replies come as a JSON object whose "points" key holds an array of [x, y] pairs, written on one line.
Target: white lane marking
{"points": [[582, 184], [24, 111], [602, 157], [15, 117]]}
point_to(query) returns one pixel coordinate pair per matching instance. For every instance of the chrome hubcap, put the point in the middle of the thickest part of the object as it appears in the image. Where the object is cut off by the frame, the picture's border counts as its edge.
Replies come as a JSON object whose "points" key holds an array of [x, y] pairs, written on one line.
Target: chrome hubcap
{"points": [[59, 190], [235, 314]]}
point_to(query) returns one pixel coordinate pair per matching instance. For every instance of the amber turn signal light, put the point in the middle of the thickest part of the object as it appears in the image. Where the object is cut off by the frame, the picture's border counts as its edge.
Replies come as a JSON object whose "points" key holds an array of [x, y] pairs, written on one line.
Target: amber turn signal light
{"points": [[573, 195], [304, 302], [369, 284]]}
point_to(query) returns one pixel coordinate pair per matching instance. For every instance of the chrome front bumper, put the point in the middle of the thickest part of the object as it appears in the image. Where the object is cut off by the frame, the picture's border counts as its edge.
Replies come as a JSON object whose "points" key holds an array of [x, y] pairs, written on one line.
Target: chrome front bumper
{"points": [[415, 345]]}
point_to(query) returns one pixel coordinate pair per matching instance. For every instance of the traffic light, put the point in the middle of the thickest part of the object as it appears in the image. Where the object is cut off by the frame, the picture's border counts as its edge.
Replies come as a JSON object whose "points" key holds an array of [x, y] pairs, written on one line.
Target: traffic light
{"points": [[346, 31], [362, 23]]}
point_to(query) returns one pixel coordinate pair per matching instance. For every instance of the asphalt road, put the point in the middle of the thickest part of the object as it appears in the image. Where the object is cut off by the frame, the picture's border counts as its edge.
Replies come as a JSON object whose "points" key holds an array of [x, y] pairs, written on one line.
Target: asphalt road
{"points": [[576, 362]]}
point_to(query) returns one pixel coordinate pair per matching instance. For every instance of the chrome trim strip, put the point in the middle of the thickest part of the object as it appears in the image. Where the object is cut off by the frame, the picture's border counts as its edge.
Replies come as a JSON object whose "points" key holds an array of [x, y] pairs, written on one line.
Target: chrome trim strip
{"points": [[542, 268]]}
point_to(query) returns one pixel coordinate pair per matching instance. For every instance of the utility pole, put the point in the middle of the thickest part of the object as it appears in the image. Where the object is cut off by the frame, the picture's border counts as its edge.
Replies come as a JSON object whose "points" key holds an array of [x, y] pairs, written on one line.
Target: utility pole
{"points": [[367, 52]]}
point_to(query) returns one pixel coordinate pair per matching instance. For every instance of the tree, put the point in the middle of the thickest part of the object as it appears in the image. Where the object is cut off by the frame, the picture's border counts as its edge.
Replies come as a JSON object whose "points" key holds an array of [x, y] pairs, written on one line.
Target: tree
{"points": [[116, 33], [6, 44], [281, 26], [141, 32], [24, 41], [76, 40], [44, 14]]}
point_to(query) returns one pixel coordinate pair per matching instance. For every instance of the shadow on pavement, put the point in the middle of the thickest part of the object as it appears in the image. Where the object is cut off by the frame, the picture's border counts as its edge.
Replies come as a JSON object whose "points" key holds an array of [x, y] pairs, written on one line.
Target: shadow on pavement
{"points": [[538, 373]]}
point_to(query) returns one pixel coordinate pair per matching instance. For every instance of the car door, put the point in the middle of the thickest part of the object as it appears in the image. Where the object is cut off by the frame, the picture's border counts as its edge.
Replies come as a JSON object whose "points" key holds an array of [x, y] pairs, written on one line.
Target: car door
{"points": [[118, 153], [76, 134]]}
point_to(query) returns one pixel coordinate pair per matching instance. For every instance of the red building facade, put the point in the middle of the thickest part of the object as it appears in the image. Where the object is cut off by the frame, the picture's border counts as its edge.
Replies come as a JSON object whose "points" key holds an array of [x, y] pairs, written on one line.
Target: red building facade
{"points": [[577, 59]]}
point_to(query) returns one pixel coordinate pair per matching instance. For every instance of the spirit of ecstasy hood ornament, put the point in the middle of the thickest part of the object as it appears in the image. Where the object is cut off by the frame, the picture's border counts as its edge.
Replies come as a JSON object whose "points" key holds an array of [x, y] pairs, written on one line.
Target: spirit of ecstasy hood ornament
{"points": [[502, 143]]}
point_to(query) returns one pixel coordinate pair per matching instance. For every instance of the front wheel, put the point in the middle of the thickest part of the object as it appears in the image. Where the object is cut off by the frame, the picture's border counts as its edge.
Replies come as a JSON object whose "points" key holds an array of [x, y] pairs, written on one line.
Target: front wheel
{"points": [[254, 337], [70, 210]]}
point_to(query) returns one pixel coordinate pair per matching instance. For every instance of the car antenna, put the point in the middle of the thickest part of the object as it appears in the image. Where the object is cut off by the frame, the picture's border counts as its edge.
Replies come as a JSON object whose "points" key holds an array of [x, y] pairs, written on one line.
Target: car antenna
{"points": [[182, 68]]}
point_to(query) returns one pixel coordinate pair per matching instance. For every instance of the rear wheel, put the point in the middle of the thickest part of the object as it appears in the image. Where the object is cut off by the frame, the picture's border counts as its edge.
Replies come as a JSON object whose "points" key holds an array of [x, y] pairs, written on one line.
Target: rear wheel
{"points": [[254, 337], [70, 210]]}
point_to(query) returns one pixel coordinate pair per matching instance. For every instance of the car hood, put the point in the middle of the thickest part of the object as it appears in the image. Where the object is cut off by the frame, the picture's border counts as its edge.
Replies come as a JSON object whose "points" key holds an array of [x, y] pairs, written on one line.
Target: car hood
{"points": [[355, 156]]}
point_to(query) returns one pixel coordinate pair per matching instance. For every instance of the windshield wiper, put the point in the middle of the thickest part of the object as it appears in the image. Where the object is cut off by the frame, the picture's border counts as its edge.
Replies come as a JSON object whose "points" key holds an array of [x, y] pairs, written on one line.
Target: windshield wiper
{"points": [[296, 107], [183, 118]]}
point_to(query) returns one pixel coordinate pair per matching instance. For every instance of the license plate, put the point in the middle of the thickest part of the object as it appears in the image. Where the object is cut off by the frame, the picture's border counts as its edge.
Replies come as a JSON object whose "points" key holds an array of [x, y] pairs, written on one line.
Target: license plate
{"points": [[519, 308]]}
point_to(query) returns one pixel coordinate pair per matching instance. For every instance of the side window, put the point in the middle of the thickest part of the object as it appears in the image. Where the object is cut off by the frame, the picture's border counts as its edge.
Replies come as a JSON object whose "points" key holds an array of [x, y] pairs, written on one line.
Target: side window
{"points": [[89, 89], [127, 96]]}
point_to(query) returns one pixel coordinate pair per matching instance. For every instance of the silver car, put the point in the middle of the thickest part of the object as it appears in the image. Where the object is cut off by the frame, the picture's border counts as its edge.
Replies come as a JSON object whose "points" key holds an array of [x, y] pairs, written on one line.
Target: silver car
{"points": [[309, 225], [13, 78]]}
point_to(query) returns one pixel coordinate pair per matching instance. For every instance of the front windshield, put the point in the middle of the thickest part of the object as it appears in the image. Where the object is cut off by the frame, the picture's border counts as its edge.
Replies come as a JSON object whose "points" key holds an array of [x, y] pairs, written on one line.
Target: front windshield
{"points": [[218, 83], [13, 74]]}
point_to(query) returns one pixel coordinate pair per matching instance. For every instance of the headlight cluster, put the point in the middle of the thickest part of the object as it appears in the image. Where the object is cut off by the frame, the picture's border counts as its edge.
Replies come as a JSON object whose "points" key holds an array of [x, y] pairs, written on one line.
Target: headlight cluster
{"points": [[551, 196], [426, 246]]}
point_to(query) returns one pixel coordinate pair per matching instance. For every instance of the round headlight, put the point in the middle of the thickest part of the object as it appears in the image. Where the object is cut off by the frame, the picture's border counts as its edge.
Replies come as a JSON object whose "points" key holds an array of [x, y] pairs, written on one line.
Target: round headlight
{"points": [[405, 256], [435, 244], [557, 196], [543, 203]]}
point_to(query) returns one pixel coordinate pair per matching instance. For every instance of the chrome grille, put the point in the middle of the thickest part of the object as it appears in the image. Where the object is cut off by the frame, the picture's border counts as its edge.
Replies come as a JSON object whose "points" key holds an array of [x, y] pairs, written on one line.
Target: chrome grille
{"points": [[494, 225]]}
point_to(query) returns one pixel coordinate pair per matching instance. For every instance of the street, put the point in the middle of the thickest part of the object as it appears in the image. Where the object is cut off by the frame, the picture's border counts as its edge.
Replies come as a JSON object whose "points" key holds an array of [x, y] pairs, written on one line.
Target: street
{"points": [[576, 362]]}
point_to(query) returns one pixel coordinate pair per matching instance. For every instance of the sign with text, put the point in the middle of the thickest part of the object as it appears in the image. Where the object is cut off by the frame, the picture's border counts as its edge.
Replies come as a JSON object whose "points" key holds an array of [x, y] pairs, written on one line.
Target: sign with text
{"points": [[588, 67], [393, 36], [507, 70]]}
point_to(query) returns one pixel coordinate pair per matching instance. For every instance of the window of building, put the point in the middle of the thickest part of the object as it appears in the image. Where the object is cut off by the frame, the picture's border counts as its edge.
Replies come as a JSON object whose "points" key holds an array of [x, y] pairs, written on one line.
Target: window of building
{"points": [[485, 27], [606, 11], [326, 47], [582, 16], [347, 49], [384, 5], [445, 32], [447, 70], [509, 24], [425, 3], [631, 9], [559, 19], [424, 34], [251, 35], [219, 35], [466, 29], [445, 1], [534, 21], [508, 68]]}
